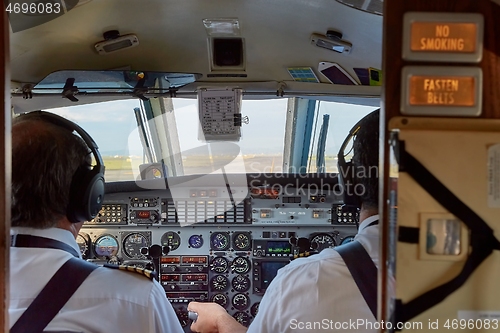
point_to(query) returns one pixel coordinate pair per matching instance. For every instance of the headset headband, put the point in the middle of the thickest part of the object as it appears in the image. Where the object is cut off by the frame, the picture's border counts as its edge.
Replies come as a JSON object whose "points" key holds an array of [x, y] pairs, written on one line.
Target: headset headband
{"points": [[65, 123]]}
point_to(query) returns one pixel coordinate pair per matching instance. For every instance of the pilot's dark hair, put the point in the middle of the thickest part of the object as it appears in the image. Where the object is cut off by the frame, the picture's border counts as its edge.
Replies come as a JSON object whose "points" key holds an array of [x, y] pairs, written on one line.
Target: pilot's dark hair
{"points": [[44, 159], [366, 159]]}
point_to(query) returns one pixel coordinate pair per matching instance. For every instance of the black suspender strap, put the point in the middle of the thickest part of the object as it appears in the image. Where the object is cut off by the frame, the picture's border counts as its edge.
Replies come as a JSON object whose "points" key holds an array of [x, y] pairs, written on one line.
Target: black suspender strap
{"points": [[483, 241], [57, 291], [22, 240], [363, 271]]}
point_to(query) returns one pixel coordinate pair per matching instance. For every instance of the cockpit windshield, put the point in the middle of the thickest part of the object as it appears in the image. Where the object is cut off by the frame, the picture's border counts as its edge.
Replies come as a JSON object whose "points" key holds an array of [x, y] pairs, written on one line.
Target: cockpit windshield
{"points": [[133, 136]]}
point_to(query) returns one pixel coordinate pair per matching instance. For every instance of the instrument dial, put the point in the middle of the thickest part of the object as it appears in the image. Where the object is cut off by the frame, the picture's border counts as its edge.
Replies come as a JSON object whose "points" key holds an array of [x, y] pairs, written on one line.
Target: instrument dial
{"points": [[346, 240], [106, 246], [219, 265], [220, 299], [241, 241], [132, 245], [254, 309], [83, 241], [241, 283], [219, 283], [196, 241], [219, 241], [323, 241], [241, 265], [171, 239], [182, 315], [240, 301], [243, 318]]}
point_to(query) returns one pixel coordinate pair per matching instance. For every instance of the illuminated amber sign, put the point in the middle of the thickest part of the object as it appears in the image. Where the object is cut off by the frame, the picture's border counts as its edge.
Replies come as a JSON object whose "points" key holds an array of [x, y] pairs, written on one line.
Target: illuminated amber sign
{"points": [[429, 90], [443, 37]]}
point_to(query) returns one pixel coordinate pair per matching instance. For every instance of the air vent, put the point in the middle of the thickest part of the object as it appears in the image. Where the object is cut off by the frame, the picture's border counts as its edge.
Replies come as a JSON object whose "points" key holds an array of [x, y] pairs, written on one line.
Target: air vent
{"points": [[227, 54], [370, 6]]}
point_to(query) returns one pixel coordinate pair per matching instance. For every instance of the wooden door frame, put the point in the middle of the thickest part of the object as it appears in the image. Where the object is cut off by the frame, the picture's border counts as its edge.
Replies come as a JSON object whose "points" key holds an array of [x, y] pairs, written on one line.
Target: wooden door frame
{"points": [[5, 177]]}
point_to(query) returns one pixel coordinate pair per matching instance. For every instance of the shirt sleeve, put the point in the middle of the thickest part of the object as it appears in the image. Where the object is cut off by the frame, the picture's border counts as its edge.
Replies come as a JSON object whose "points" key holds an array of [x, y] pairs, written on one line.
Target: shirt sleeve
{"points": [[268, 318], [163, 317]]}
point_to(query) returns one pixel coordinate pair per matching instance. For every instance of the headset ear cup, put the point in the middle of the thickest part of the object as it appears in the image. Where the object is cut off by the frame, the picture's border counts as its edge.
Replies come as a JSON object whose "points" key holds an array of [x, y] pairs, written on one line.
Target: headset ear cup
{"points": [[95, 196], [86, 194]]}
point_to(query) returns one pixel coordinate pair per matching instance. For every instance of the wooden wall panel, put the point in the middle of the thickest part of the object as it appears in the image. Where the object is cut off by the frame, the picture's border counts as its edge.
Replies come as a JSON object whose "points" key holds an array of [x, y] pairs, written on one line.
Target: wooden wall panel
{"points": [[393, 63]]}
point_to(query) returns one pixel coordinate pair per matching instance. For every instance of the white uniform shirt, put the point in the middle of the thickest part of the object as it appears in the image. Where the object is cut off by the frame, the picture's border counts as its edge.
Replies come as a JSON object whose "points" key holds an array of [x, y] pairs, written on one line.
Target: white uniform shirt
{"points": [[318, 294], [108, 300]]}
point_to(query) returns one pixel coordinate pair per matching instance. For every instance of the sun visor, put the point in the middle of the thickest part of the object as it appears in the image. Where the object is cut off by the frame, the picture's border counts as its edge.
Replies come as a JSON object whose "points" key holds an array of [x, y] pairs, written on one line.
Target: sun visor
{"points": [[78, 87]]}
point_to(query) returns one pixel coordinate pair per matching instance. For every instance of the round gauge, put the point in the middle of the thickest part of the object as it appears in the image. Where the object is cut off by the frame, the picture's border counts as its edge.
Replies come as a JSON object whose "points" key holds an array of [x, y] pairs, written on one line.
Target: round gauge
{"points": [[219, 265], [219, 241], [243, 318], [241, 265], [171, 239], [182, 315], [254, 309], [83, 241], [346, 240], [220, 299], [132, 245], [241, 283], [219, 283], [106, 246], [196, 241], [323, 241], [240, 301], [241, 241]]}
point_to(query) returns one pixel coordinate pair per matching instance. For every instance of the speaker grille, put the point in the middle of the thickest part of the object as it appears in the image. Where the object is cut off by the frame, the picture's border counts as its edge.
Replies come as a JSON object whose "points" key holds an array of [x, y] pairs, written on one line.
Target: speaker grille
{"points": [[370, 6]]}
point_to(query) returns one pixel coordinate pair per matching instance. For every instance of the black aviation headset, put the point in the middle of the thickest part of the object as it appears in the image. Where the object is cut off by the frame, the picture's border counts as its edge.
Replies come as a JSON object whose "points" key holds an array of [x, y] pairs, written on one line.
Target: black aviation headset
{"points": [[87, 184], [347, 172]]}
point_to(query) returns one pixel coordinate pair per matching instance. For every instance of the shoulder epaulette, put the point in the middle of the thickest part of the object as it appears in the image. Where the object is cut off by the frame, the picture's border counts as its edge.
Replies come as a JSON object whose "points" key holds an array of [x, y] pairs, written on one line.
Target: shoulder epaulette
{"points": [[304, 254], [144, 272]]}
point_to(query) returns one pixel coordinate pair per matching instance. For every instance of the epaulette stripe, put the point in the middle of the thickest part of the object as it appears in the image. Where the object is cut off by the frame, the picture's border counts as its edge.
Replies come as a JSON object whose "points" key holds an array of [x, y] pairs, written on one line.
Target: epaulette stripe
{"points": [[144, 272]]}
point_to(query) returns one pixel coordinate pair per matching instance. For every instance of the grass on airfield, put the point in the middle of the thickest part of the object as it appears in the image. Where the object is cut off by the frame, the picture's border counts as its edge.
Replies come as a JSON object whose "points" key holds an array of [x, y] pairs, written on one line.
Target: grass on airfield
{"points": [[253, 163]]}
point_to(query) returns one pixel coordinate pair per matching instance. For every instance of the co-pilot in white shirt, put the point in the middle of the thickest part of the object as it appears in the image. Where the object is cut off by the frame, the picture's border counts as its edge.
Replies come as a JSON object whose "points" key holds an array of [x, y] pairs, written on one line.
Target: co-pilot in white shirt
{"points": [[108, 300], [318, 294]]}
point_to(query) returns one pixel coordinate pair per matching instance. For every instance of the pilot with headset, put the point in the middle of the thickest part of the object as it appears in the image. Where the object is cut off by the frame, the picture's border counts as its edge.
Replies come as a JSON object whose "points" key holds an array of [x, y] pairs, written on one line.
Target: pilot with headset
{"points": [[335, 288], [54, 190]]}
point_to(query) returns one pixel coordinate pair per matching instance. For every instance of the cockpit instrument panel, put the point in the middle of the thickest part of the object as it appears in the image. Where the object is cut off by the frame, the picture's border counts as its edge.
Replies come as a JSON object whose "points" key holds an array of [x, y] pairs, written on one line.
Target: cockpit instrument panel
{"points": [[215, 249]]}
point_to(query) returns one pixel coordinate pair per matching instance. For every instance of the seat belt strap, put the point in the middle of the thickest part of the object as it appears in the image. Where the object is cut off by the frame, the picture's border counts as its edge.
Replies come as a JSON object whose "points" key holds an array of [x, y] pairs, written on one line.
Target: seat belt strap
{"points": [[363, 271], [53, 296]]}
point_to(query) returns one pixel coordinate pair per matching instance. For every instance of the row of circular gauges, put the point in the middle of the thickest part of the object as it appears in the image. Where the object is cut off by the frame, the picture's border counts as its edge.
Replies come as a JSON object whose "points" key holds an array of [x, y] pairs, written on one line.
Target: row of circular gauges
{"points": [[325, 240], [221, 265], [239, 301], [221, 241], [106, 245], [239, 283]]}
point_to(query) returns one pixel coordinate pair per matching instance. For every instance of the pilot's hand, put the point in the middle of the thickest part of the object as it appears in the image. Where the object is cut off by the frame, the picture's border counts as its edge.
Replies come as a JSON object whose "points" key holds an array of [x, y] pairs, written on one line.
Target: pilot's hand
{"points": [[213, 318]]}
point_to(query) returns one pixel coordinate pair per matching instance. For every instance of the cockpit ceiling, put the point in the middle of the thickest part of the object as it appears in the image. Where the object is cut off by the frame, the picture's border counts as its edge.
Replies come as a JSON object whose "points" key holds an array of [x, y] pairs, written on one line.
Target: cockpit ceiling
{"points": [[172, 38]]}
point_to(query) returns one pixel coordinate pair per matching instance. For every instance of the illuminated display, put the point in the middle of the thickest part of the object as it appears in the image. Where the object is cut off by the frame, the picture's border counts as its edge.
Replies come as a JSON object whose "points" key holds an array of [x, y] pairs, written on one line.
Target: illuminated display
{"points": [[194, 260], [143, 214], [442, 90], [277, 247], [269, 271], [194, 277], [170, 277], [443, 37], [170, 260]]}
